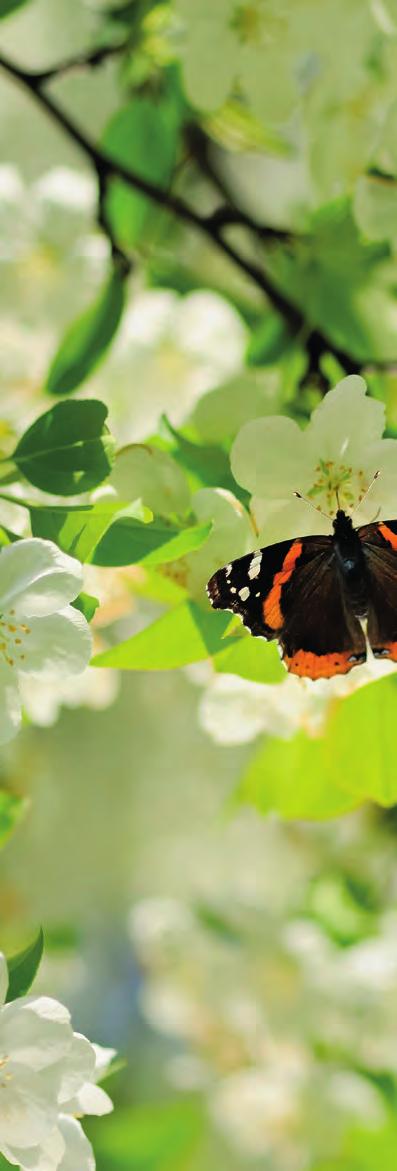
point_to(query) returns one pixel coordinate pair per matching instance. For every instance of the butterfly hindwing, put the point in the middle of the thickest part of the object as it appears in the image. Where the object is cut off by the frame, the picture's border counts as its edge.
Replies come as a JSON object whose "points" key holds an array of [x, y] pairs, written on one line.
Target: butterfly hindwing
{"points": [[380, 549], [321, 637], [291, 591]]}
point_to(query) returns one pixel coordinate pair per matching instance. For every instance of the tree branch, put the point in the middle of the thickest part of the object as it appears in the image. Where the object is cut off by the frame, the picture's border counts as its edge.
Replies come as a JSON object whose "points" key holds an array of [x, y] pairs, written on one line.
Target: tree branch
{"points": [[107, 168], [89, 60]]}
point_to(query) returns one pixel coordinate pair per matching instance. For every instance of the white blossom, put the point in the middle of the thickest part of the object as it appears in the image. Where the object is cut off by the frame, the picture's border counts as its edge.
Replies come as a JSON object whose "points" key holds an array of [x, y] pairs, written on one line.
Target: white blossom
{"points": [[41, 634], [48, 1076], [333, 459]]}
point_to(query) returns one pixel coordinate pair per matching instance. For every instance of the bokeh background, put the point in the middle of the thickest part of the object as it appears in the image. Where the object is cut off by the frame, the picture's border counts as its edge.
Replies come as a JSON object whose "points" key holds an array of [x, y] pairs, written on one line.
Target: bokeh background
{"points": [[245, 968]]}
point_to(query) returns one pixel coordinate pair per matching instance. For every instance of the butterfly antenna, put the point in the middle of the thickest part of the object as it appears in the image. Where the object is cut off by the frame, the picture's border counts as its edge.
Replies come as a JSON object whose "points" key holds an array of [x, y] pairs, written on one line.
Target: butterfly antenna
{"points": [[360, 502], [312, 505]]}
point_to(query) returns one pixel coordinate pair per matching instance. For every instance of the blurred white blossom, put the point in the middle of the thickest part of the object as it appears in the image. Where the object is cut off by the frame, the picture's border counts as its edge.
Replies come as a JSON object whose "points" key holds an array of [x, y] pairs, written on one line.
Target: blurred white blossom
{"points": [[168, 352], [93, 689]]}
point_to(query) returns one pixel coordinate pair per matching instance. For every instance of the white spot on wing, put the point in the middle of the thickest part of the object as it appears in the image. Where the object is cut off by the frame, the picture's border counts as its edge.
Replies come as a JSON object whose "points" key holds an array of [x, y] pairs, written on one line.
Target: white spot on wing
{"points": [[255, 567], [244, 593]]}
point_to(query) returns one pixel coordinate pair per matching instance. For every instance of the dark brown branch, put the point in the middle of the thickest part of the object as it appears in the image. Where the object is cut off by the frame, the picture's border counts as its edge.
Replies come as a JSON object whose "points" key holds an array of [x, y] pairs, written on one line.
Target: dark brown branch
{"points": [[212, 226], [89, 60], [107, 167]]}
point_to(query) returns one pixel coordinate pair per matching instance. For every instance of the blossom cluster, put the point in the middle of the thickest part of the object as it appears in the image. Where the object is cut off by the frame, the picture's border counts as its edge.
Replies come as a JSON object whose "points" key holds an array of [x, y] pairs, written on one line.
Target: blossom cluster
{"points": [[48, 1076]]}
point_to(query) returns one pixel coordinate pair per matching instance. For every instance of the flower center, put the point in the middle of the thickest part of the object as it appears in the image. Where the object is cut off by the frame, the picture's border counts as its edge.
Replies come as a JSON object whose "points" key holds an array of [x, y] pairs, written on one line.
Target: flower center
{"points": [[339, 485], [12, 637], [256, 21]]}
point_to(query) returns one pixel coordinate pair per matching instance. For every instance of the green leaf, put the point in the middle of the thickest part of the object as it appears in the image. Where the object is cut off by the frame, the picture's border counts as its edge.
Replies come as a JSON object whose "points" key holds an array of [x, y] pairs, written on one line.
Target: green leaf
{"points": [[367, 719], [268, 342], [184, 635], [87, 339], [291, 778], [142, 136], [68, 450], [22, 968], [111, 533], [12, 809], [128, 541], [87, 605], [322, 776], [251, 658], [9, 6], [344, 284], [78, 530], [147, 1137], [207, 463]]}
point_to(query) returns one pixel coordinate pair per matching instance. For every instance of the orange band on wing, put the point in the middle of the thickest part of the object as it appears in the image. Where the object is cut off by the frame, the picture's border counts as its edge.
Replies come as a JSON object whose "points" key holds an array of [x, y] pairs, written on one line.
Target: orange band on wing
{"points": [[389, 536], [387, 651], [272, 612], [322, 666]]}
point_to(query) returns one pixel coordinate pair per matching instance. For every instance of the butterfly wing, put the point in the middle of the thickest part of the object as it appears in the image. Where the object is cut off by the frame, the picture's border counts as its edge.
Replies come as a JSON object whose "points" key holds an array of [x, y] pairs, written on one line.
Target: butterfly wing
{"points": [[252, 586], [291, 591], [321, 636], [380, 549]]}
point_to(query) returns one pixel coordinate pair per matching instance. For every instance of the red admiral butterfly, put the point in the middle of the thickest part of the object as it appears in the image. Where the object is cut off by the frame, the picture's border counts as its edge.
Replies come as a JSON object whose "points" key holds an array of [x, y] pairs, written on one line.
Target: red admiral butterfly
{"points": [[314, 593]]}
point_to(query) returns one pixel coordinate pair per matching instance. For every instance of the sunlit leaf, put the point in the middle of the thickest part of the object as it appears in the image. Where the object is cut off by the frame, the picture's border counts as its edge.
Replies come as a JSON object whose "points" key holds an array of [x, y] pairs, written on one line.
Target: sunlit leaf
{"points": [[251, 658], [68, 450], [324, 775], [86, 341], [291, 778], [87, 605], [78, 530], [184, 635]]}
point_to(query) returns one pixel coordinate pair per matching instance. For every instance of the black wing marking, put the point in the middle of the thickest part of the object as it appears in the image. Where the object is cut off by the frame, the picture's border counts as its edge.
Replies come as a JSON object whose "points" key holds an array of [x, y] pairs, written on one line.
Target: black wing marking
{"points": [[245, 585], [380, 550]]}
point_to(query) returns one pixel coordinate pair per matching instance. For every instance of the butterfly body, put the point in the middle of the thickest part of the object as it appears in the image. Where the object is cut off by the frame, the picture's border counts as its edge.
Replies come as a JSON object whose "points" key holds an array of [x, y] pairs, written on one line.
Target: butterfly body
{"points": [[313, 593]]}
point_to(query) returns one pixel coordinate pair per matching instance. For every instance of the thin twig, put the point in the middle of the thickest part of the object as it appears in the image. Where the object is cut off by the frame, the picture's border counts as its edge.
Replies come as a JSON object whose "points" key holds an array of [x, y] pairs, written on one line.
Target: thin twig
{"points": [[211, 226], [106, 166], [88, 60]]}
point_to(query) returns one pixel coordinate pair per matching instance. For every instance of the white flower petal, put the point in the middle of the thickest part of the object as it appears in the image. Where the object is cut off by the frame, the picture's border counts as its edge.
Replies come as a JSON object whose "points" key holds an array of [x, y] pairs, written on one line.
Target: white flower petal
{"points": [[103, 1058], [346, 421], [271, 457], [45, 1157], [37, 578], [28, 1109], [57, 645], [231, 535], [90, 1099], [280, 520], [10, 704], [35, 1032], [78, 1154], [77, 1068]]}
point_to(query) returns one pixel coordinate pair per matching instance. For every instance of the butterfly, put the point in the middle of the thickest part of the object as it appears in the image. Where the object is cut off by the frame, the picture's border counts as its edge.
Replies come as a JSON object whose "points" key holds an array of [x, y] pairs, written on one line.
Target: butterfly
{"points": [[323, 598]]}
